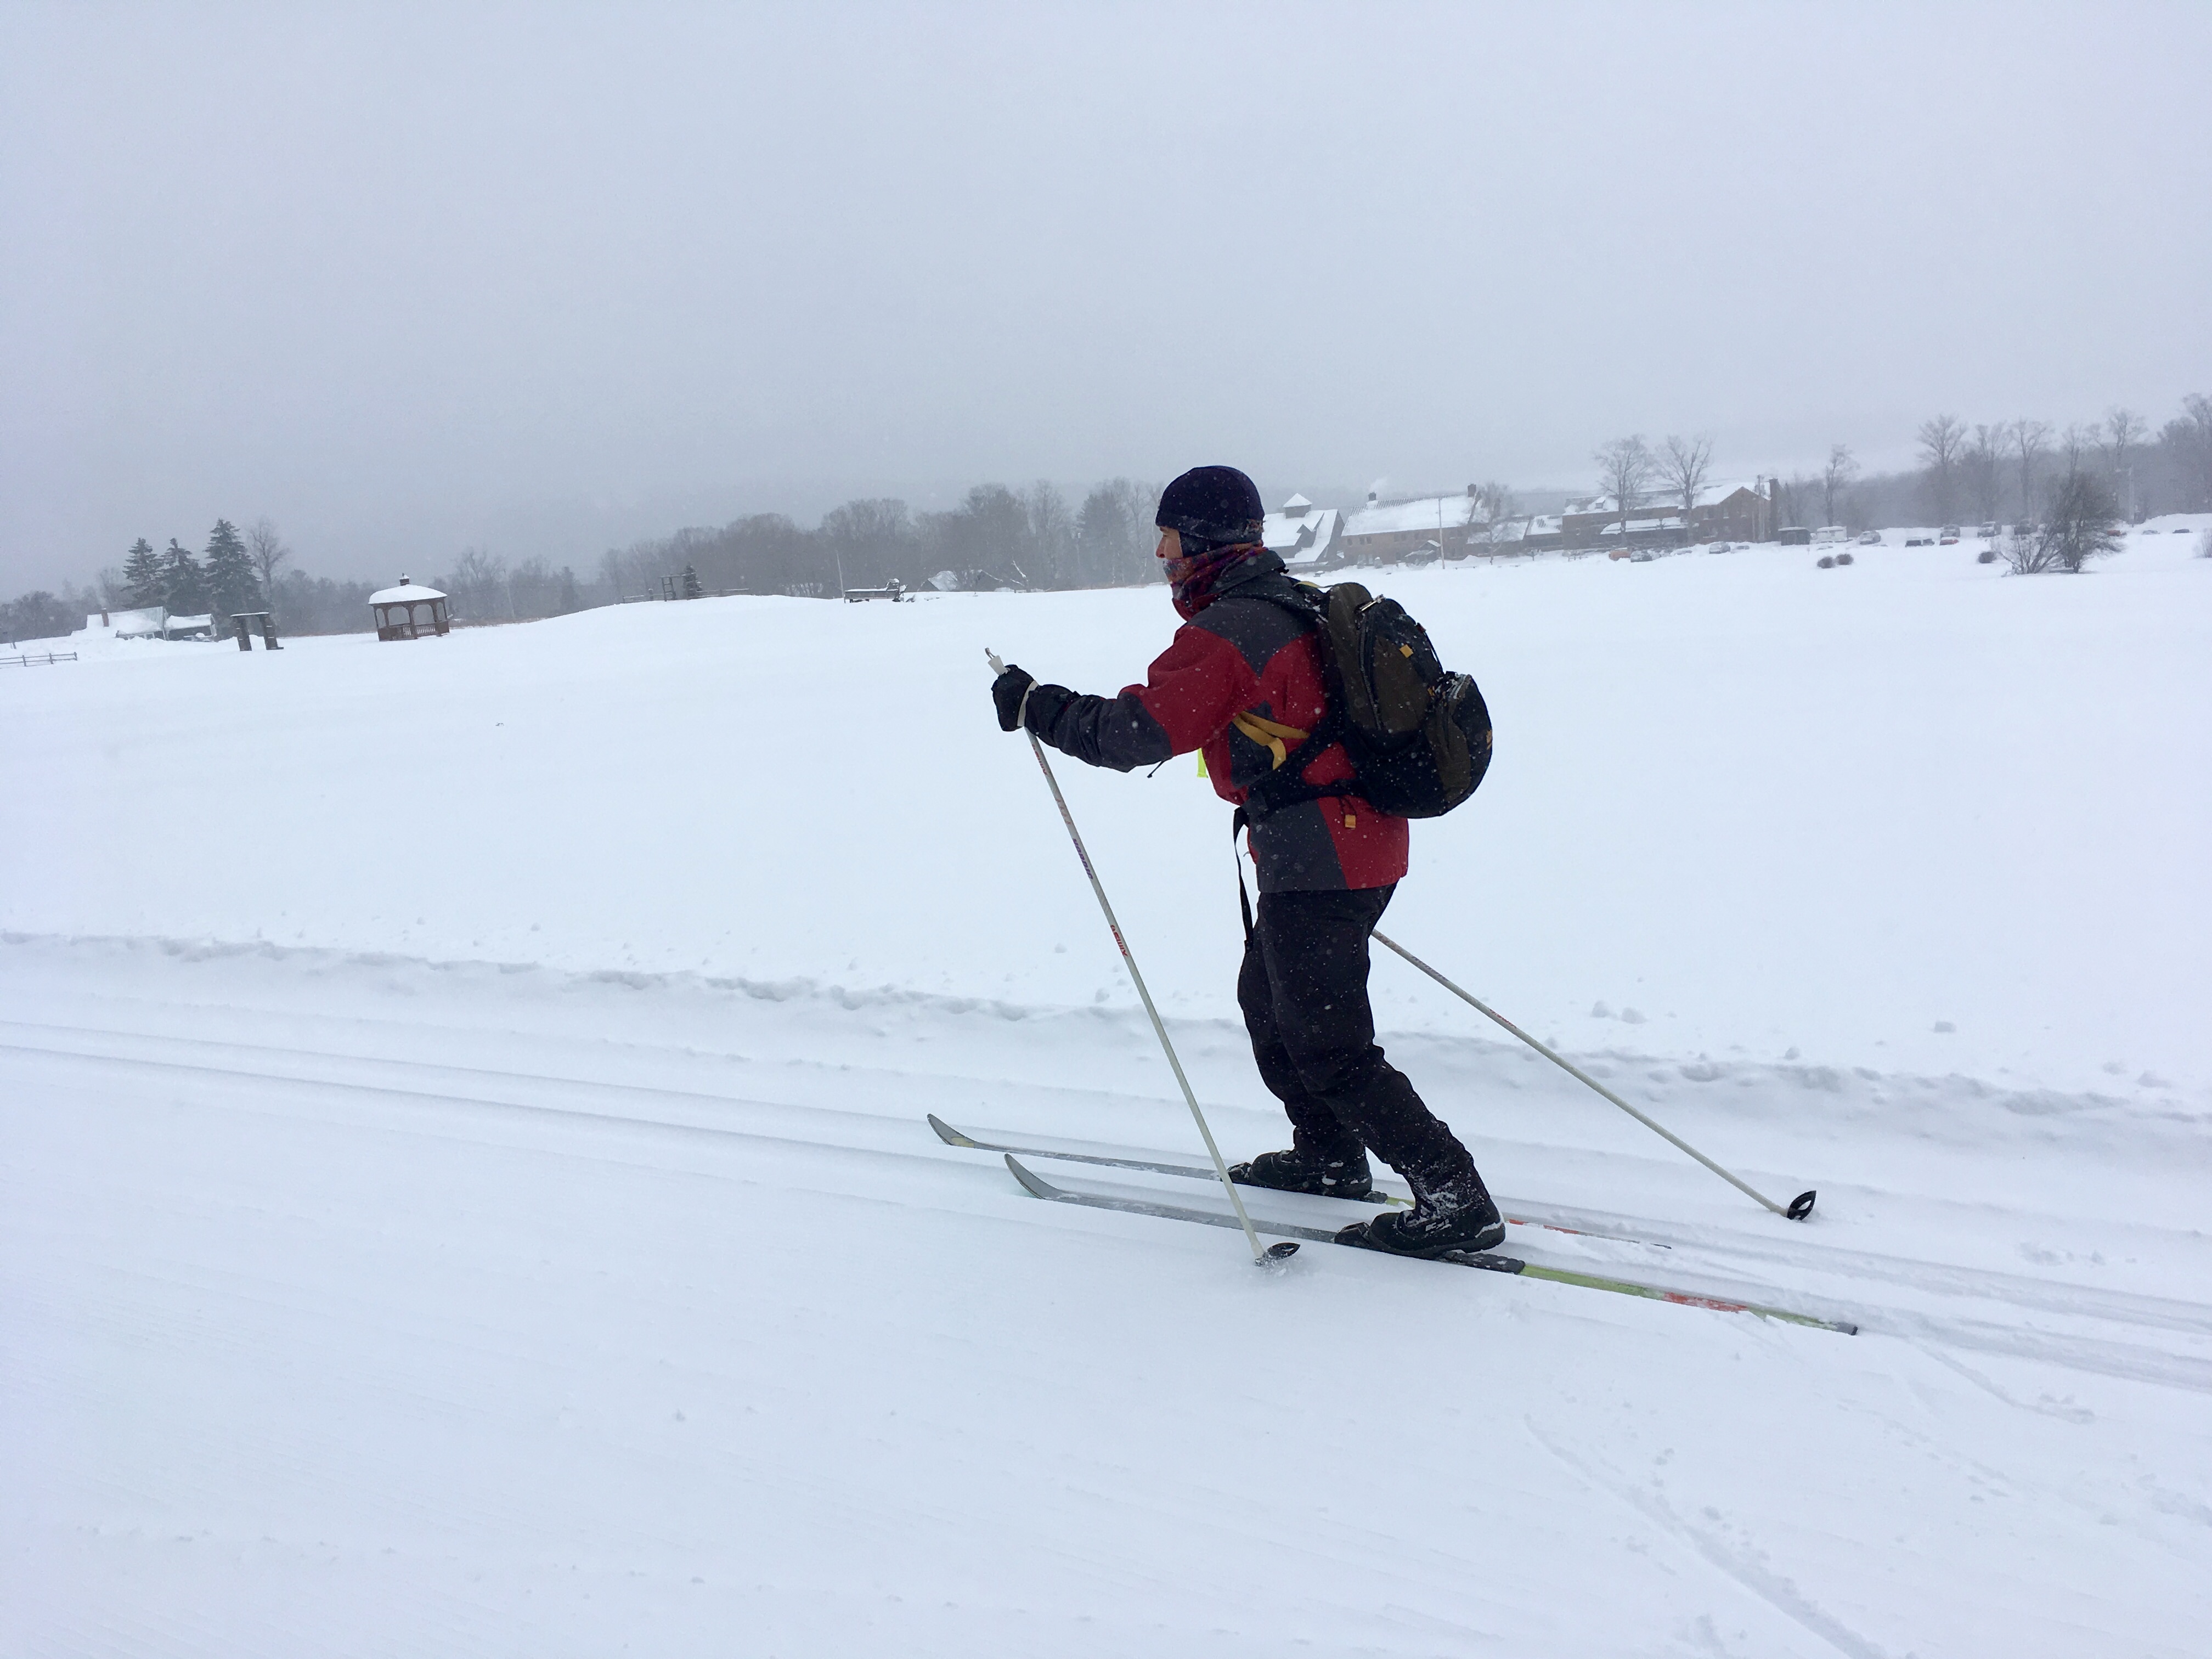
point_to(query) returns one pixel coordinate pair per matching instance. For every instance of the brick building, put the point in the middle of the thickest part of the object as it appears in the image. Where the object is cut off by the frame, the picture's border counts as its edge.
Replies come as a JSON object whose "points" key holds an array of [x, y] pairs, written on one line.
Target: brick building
{"points": [[1382, 532]]}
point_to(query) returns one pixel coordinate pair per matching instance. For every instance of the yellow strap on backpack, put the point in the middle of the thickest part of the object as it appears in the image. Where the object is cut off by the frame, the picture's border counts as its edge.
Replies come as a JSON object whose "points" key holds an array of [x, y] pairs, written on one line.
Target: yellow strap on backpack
{"points": [[1270, 734]]}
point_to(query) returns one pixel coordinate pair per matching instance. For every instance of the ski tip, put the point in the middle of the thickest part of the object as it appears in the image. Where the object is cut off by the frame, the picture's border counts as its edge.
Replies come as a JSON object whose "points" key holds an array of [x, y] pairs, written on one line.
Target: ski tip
{"points": [[1800, 1207], [1282, 1251], [1036, 1185], [948, 1134]]}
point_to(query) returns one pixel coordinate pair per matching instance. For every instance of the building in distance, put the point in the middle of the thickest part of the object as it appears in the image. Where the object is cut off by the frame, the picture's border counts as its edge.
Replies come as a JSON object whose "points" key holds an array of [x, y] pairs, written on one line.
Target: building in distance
{"points": [[1731, 512], [1305, 537], [408, 611], [1383, 532]]}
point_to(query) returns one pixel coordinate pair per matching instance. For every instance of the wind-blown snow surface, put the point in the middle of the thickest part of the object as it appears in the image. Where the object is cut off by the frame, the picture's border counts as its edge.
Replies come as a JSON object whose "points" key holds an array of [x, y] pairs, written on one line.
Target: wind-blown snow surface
{"points": [[466, 1188]]}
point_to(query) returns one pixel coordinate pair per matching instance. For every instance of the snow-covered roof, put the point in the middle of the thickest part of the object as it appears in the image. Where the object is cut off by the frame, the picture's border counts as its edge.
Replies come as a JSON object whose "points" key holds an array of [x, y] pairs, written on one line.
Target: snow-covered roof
{"points": [[1713, 494], [1310, 534], [1431, 512], [1710, 495], [1295, 506], [405, 593], [127, 623], [1606, 504]]}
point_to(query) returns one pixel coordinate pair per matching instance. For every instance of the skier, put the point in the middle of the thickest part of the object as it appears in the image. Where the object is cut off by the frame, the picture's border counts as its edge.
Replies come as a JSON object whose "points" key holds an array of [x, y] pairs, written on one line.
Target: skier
{"points": [[1241, 682]]}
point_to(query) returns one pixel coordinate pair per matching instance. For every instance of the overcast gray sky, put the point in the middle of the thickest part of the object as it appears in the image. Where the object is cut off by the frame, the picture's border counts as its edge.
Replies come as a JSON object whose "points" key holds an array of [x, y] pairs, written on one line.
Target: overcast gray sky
{"points": [[549, 278]]}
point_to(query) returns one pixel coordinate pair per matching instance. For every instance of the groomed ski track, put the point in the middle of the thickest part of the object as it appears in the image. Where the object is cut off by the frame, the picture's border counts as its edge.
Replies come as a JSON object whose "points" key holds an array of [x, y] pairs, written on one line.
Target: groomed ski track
{"points": [[371, 1304]]}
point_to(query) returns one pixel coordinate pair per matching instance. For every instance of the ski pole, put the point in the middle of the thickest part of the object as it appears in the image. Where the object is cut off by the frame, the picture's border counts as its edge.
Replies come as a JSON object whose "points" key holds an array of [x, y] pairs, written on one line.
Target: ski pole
{"points": [[1799, 1207], [1260, 1253]]}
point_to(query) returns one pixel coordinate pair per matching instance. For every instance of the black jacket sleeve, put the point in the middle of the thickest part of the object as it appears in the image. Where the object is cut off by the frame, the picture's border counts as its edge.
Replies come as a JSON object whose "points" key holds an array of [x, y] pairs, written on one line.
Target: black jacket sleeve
{"points": [[1116, 732]]}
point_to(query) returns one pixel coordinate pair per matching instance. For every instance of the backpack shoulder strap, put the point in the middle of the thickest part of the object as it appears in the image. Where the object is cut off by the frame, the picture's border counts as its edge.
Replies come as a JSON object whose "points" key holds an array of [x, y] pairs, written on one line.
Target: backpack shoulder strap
{"points": [[1300, 599], [1285, 786]]}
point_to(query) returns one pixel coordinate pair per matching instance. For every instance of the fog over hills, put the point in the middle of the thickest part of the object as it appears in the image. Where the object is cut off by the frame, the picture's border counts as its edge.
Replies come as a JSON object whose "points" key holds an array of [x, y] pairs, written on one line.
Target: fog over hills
{"points": [[407, 281]]}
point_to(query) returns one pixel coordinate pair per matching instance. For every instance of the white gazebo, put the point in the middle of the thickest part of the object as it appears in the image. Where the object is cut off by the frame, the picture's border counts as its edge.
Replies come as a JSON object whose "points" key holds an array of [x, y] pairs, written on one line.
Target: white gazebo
{"points": [[408, 612]]}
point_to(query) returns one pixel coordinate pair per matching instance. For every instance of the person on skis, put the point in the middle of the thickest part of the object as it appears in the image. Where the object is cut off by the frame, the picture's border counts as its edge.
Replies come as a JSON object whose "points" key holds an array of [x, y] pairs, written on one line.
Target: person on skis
{"points": [[1242, 683]]}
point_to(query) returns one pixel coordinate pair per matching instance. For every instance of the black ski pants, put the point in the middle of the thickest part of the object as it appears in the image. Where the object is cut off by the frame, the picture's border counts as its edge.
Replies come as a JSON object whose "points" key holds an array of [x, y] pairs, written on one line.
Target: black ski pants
{"points": [[1303, 990]]}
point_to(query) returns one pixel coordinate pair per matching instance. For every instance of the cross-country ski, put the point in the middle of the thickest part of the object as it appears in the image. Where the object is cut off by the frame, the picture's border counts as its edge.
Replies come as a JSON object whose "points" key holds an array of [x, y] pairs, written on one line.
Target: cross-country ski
{"points": [[1487, 1260], [1154, 1165]]}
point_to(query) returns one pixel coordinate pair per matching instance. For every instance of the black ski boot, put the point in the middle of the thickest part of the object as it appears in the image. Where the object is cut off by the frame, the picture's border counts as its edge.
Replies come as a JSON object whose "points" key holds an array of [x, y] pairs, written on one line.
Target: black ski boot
{"points": [[1452, 1211], [1332, 1174]]}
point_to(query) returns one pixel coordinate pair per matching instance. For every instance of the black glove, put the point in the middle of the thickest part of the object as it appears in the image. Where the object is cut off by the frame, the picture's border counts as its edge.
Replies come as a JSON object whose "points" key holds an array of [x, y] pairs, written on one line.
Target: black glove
{"points": [[1007, 692]]}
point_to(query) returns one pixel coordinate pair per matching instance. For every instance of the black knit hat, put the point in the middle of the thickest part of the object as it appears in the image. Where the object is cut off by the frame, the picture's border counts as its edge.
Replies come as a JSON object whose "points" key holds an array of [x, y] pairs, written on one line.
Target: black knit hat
{"points": [[1211, 507]]}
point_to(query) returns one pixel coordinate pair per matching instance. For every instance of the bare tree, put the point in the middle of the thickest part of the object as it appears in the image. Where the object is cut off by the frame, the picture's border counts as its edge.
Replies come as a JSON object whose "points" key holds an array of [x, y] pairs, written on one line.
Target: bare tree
{"points": [[1942, 443], [2029, 440], [267, 551], [478, 583], [2123, 430], [1625, 467], [2188, 439], [2026, 552], [1116, 536], [2083, 522], [1498, 504], [1840, 472], [1982, 463], [535, 589], [871, 542], [2077, 440], [1683, 465], [1052, 535]]}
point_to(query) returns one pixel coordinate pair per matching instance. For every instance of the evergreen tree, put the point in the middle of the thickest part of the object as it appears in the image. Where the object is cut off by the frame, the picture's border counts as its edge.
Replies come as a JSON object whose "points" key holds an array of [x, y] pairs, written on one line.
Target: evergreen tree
{"points": [[229, 573], [184, 585], [142, 570]]}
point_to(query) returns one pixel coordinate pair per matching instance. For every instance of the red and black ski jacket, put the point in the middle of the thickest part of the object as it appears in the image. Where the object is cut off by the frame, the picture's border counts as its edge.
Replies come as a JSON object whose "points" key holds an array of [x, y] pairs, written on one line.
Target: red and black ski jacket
{"points": [[1241, 683]]}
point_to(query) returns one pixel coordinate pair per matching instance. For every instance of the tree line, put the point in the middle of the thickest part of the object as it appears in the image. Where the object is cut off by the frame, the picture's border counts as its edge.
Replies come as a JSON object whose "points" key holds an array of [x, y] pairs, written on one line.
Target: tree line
{"points": [[2001, 471], [233, 575], [2013, 471], [1033, 537], [235, 572]]}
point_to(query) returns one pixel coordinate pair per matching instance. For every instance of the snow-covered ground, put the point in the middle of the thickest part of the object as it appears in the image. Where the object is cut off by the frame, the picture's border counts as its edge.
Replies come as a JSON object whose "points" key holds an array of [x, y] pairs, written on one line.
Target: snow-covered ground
{"points": [[466, 1188]]}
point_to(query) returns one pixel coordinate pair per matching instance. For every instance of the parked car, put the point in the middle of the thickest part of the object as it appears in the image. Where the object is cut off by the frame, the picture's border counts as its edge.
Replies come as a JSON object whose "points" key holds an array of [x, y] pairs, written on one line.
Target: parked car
{"points": [[1869, 539], [1920, 541], [1989, 530]]}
